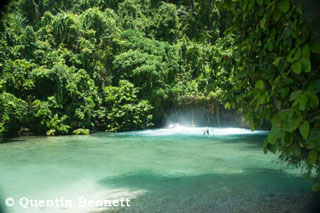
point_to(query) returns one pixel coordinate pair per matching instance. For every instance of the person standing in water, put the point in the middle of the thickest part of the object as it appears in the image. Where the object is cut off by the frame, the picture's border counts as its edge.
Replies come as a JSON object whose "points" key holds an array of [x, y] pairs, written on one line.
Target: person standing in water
{"points": [[206, 132]]}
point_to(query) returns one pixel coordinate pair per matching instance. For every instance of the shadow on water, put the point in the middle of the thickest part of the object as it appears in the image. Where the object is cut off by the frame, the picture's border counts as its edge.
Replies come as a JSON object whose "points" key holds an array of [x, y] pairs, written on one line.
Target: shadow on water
{"points": [[253, 190], [12, 140], [2, 203], [248, 139]]}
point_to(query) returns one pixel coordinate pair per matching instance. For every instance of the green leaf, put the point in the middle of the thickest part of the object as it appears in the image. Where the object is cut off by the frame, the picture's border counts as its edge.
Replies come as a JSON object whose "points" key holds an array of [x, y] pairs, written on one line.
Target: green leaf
{"points": [[263, 22], [288, 139], [283, 5], [292, 124], [306, 51], [260, 85], [270, 46], [274, 135], [313, 99], [295, 94], [315, 47], [306, 64], [304, 129], [312, 157], [297, 56], [227, 105], [314, 139], [297, 150], [277, 61], [297, 67], [303, 99], [291, 54]]}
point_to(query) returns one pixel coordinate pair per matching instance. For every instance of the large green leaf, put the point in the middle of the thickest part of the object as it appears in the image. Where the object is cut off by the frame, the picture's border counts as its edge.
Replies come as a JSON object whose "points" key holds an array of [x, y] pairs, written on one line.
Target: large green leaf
{"points": [[287, 139], [292, 124], [296, 150], [314, 139], [313, 99], [306, 51], [295, 94], [277, 61], [260, 84], [304, 129], [297, 55], [297, 67], [263, 23], [291, 55], [274, 135], [283, 5], [306, 64], [303, 99], [312, 157]]}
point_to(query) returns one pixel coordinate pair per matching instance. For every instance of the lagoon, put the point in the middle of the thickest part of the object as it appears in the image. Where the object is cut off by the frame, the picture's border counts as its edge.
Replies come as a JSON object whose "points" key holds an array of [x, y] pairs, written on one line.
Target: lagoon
{"points": [[176, 169]]}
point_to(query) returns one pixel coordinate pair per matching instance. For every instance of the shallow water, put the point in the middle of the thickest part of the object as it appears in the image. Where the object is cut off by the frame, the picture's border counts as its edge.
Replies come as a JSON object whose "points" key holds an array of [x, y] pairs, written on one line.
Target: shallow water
{"points": [[166, 170]]}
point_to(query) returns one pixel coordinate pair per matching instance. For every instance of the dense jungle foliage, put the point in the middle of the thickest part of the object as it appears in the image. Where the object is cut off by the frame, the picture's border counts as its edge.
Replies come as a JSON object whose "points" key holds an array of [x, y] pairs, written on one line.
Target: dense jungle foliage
{"points": [[70, 66]]}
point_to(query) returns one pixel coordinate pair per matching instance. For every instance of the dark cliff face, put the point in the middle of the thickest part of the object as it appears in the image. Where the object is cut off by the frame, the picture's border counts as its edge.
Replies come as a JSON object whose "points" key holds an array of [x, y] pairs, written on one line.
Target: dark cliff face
{"points": [[193, 115], [190, 115]]}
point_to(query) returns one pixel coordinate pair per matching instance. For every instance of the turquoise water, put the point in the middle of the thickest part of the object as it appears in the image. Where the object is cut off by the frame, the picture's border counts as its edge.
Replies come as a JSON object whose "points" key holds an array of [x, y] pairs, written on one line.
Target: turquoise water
{"points": [[166, 170]]}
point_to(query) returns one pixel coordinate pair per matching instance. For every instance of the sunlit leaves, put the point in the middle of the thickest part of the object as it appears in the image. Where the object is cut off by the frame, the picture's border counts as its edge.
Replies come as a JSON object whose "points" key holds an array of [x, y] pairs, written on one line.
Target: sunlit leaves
{"points": [[123, 109], [259, 84], [13, 113], [76, 50], [65, 27], [166, 22], [81, 131], [103, 23]]}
